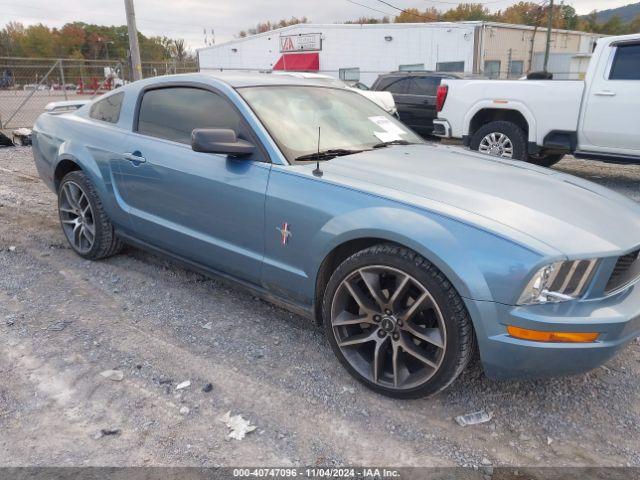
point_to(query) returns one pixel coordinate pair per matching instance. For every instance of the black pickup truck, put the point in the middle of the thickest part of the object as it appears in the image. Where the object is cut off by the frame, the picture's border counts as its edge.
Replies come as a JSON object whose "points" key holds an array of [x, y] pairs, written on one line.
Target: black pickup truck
{"points": [[415, 96]]}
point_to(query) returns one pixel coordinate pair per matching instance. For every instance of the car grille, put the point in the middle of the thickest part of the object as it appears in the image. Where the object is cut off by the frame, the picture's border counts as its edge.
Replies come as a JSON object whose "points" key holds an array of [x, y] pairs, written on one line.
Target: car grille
{"points": [[627, 270]]}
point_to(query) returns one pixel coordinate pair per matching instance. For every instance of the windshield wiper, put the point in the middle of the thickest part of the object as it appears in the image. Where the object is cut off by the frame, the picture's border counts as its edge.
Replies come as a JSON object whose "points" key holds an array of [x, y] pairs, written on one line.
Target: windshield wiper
{"points": [[328, 154], [393, 142]]}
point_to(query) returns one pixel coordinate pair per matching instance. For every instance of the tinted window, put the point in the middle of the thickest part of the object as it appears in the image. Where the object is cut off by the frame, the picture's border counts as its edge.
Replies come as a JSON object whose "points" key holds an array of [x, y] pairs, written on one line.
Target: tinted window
{"points": [[626, 63], [424, 85], [396, 85], [382, 83], [172, 113], [107, 109]]}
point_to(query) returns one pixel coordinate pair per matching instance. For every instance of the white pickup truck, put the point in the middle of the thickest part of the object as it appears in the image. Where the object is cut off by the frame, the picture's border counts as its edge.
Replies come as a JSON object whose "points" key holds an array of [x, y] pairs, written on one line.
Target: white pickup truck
{"points": [[541, 120]]}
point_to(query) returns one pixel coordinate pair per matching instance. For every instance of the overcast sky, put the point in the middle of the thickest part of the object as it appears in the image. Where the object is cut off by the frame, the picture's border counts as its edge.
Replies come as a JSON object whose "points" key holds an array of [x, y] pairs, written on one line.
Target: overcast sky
{"points": [[187, 18]]}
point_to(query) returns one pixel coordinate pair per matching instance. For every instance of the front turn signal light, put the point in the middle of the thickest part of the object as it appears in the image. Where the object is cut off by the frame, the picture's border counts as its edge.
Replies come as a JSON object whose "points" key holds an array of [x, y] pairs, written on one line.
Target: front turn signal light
{"points": [[555, 337]]}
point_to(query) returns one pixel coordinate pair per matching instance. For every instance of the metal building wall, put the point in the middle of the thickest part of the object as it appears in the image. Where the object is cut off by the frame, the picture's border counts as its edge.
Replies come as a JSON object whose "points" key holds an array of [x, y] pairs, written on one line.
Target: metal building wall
{"points": [[381, 48], [506, 43], [374, 49]]}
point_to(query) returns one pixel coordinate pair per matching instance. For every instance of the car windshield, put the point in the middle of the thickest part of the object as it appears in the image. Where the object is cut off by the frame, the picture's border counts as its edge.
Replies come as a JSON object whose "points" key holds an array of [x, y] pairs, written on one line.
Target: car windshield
{"points": [[348, 121]]}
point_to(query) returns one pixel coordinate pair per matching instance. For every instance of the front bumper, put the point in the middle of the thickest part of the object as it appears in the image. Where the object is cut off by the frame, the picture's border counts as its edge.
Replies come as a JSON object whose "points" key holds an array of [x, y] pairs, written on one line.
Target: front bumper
{"points": [[441, 128], [615, 318]]}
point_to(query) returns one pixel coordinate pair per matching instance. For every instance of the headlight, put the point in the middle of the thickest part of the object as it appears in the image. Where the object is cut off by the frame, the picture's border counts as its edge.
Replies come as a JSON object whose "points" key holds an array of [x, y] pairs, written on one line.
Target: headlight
{"points": [[558, 282]]}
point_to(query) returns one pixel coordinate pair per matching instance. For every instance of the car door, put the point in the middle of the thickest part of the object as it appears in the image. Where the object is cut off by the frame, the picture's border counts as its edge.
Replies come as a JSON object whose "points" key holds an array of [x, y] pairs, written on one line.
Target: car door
{"points": [[204, 207], [611, 119], [420, 101], [397, 86]]}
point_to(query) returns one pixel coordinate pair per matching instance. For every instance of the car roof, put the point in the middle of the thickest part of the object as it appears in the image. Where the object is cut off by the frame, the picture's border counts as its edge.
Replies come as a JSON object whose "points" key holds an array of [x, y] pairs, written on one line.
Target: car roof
{"points": [[419, 73], [235, 79], [302, 74]]}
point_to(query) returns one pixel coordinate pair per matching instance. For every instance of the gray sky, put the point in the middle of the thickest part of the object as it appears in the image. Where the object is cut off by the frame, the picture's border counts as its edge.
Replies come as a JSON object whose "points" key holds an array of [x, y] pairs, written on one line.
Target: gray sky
{"points": [[187, 18]]}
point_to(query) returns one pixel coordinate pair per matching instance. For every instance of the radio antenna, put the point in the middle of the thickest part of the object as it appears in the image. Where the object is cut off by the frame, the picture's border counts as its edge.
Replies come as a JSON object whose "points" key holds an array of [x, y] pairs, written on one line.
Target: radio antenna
{"points": [[317, 172]]}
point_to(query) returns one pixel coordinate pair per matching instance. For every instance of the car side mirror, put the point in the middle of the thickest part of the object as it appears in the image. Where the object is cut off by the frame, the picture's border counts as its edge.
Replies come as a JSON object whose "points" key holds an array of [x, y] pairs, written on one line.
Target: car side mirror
{"points": [[222, 141]]}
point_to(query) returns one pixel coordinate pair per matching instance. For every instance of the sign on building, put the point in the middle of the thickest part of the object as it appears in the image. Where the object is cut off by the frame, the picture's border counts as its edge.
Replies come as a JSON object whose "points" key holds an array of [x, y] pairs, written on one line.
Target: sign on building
{"points": [[303, 42]]}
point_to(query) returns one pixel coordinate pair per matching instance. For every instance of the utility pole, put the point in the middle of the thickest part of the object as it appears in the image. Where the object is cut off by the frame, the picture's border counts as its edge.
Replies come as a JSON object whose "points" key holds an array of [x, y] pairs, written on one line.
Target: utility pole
{"points": [[549, 27], [533, 37], [133, 40]]}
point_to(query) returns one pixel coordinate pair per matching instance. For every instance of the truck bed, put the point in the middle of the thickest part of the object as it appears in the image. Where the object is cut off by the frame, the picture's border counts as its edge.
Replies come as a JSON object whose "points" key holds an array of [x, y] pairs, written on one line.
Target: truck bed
{"points": [[546, 104]]}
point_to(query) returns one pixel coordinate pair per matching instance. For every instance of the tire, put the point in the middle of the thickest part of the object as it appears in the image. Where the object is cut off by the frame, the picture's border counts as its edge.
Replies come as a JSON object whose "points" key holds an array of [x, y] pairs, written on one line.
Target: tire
{"points": [[80, 210], [440, 317], [545, 160], [511, 131]]}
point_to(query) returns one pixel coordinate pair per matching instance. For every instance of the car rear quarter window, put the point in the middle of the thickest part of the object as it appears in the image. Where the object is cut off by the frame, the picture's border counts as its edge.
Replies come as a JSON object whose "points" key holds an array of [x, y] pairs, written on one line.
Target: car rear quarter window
{"points": [[173, 112], [626, 63], [107, 109]]}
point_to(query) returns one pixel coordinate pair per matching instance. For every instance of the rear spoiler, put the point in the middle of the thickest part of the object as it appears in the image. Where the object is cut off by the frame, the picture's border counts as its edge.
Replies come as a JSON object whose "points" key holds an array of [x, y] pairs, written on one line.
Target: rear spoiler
{"points": [[65, 105]]}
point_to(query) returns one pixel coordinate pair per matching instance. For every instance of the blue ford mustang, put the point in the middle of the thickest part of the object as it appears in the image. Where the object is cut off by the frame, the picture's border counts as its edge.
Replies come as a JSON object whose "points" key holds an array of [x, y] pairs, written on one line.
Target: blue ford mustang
{"points": [[413, 256]]}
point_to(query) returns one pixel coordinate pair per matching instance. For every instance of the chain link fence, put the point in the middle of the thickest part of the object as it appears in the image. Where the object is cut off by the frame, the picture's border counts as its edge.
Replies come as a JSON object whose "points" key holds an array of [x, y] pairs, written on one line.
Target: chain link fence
{"points": [[27, 85]]}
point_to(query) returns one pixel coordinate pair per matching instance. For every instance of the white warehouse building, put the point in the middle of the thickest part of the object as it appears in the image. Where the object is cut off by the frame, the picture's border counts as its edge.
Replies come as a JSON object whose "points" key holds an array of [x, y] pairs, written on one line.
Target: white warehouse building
{"points": [[362, 52]]}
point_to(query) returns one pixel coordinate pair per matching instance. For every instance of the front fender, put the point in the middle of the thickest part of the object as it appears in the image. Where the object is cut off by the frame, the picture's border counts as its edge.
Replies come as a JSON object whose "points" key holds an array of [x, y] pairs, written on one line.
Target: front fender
{"points": [[480, 265]]}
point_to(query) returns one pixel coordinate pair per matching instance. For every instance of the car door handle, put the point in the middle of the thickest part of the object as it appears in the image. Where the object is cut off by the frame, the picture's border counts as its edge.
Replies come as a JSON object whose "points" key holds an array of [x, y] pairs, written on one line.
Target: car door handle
{"points": [[606, 93], [135, 157]]}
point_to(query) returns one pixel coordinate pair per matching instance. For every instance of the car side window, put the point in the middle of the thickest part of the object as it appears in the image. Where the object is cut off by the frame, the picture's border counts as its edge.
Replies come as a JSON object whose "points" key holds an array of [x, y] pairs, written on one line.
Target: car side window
{"points": [[107, 109], [173, 112], [424, 85], [626, 63], [397, 86]]}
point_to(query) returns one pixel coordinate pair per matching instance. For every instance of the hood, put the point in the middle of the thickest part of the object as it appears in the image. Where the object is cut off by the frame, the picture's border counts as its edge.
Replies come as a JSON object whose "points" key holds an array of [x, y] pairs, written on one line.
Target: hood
{"points": [[513, 199]]}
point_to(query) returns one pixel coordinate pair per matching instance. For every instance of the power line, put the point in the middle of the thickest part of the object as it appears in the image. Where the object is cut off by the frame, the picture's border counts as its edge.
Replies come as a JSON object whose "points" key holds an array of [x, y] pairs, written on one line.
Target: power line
{"points": [[419, 15], [472, 2], [370, 8]]}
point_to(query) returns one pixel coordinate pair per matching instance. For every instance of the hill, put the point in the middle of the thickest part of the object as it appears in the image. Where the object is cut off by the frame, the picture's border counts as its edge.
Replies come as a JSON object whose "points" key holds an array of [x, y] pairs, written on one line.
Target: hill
{"points": [[626, 13]]}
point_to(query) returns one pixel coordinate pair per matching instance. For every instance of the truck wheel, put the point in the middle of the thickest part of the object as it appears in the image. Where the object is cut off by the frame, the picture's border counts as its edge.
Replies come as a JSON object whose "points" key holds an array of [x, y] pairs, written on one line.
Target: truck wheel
{"points": [[500, 139], [396, 323], [545, 160], [84, 221]]}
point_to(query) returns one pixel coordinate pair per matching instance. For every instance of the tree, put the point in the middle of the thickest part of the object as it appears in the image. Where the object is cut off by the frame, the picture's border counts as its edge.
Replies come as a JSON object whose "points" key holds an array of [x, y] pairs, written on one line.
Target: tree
{"points": [[82, 40], [10, 38], [36, 41], [521, 13], [268, 26], [368, 20], [467, 11], [569, 17], [179, 50], [634, 25], [613, 26], [589, 23], [71, 38], [413, 15]]}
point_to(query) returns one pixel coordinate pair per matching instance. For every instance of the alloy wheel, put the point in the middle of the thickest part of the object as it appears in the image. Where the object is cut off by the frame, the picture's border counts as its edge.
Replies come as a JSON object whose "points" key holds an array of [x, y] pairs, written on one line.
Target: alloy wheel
{"points": [[76, 217], [388, 327], [496, 144]]}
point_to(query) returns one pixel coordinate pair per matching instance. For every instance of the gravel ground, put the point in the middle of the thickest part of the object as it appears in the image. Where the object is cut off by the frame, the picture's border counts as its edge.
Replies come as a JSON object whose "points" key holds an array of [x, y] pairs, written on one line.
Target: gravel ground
{"points": [[63, 320]]}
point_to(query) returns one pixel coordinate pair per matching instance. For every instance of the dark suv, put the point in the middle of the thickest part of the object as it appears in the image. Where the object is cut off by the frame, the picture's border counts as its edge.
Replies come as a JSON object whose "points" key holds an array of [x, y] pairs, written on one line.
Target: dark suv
{"points": [[415, 96]]}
